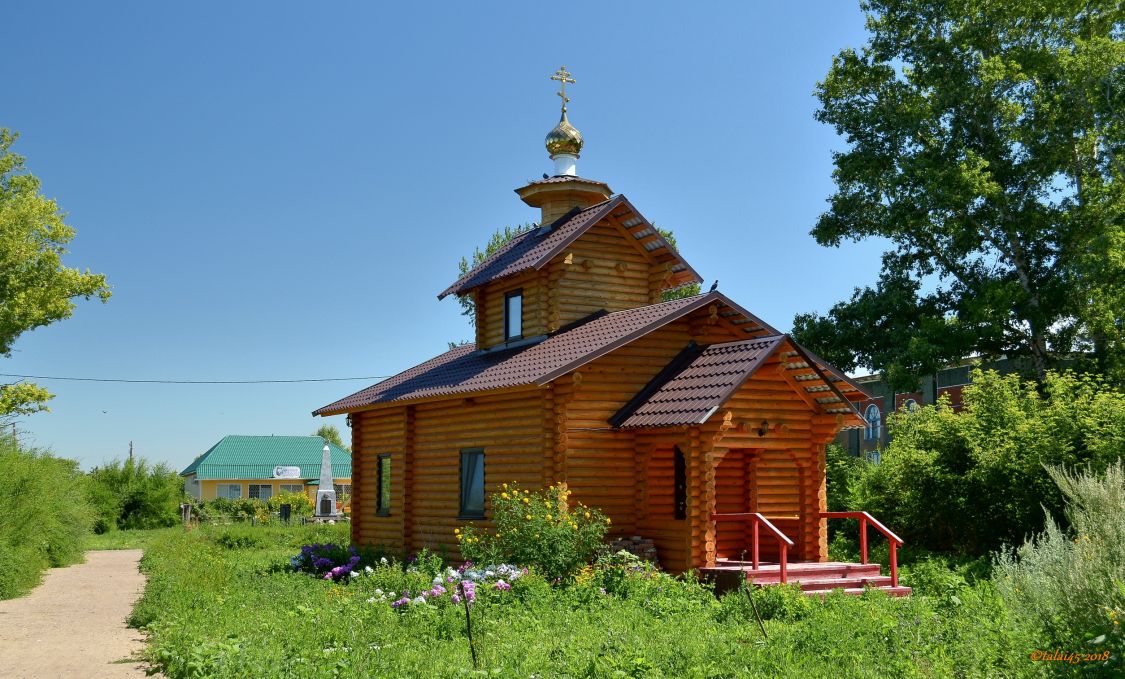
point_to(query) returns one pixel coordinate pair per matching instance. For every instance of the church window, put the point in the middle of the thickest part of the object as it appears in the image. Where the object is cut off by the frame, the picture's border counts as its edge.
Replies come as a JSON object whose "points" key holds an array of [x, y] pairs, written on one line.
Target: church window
{"points": [[874, 420], [513, 315], [472, 483]]}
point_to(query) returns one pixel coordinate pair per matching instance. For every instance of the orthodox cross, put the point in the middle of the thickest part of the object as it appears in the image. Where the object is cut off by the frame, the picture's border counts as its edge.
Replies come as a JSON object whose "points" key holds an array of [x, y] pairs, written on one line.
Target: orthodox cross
{"points": [[563, 76]]}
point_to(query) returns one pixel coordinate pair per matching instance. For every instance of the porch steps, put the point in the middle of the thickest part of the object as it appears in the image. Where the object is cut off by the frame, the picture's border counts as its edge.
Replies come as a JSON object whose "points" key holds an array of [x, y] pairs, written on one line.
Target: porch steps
{"points": [[814, 578]]}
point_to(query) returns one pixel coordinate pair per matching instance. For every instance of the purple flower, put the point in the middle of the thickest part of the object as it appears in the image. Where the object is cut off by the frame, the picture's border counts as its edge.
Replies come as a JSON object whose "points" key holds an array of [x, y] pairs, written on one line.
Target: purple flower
{"points": [[469, 590], [401, 602], [456, 599], [502, 586], [438, 590]]}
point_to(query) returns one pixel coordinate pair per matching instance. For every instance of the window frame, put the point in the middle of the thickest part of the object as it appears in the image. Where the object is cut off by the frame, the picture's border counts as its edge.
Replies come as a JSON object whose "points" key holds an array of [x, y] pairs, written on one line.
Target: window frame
{"points": [[220, 486], [259, 486], [508, 336], [679, 484], [470, 513], [873, 430], [382, 500]]}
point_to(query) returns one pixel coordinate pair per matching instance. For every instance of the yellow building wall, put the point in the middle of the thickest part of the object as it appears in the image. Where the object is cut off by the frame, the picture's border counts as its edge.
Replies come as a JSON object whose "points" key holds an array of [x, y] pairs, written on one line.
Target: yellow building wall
{"points": [[209, 488]]}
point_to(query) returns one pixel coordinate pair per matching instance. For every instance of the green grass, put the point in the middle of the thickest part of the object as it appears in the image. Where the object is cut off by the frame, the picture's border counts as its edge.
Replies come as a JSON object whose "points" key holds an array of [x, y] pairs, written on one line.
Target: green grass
{"points": [[127, 539], [235, 610]]}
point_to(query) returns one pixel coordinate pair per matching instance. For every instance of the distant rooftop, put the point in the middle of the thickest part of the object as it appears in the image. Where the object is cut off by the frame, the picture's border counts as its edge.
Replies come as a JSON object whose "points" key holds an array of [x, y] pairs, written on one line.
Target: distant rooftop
{"points": [[254, 457]]}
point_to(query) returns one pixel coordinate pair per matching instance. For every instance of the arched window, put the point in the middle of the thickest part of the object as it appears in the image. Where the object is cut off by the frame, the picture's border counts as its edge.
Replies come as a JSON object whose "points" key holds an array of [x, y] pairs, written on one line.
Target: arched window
{"points": [[874, 423], [910, 405]]}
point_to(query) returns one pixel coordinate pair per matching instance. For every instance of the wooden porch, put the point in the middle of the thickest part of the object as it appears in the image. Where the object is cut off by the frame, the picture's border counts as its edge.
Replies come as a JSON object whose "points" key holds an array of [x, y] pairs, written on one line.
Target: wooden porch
{"points": [[815, 578]]}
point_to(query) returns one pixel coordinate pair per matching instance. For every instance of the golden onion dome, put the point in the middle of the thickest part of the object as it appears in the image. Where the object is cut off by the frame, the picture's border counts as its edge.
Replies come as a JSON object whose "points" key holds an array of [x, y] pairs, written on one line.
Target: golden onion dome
{"points": [[564, 138]]}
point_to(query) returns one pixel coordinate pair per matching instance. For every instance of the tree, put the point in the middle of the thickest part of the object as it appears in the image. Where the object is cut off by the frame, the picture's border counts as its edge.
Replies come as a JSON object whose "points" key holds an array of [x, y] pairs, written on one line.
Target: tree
{"points": [[501, 236], [984, 142], [330, 433], [135, 494], [35, 288]]}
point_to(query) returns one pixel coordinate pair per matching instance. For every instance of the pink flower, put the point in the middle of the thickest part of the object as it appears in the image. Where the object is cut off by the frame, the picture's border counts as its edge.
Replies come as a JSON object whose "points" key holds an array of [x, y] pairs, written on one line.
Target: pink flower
{"points": [[502, 586], [456, 599]]}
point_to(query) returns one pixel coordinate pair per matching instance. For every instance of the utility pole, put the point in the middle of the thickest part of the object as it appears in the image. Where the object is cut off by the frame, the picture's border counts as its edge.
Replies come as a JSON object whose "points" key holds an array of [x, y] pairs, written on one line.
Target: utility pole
{"points": [[130, 451]]}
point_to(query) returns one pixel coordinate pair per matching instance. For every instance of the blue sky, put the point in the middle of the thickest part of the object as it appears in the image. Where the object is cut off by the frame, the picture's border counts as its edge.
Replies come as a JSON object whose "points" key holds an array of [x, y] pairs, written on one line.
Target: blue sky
{"points": [[279, 190]]}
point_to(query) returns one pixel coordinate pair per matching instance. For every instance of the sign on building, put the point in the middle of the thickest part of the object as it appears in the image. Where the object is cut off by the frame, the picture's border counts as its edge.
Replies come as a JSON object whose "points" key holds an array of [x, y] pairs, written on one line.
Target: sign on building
{"points": [[283, 472]]}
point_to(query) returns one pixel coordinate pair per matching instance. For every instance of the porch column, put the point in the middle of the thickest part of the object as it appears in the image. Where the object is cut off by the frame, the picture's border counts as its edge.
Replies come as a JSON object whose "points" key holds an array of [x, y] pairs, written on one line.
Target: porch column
{"points": [[701, 502]]}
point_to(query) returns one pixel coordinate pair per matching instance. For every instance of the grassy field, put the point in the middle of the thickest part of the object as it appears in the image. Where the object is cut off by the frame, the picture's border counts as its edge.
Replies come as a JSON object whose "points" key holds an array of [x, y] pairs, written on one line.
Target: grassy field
{"points": [[128, 539], [223, 602]]}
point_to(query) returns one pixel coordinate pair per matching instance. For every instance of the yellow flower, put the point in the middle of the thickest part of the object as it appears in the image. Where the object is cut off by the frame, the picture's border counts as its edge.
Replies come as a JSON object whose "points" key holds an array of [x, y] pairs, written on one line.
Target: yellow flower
{"points": [[525, 500], [526, 492], [548, 517], [505, 486], [504, 495], [456, 530], [574, 525], [587, 515], [528, 517], [607, 521]]}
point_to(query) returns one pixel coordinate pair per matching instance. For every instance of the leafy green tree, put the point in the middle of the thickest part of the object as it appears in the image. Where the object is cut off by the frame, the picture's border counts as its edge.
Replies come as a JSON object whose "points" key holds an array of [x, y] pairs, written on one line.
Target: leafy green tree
{"points": [[501, 236], [985, 144], [974, 480], [35, 288], [330, 433], [135, 494]]}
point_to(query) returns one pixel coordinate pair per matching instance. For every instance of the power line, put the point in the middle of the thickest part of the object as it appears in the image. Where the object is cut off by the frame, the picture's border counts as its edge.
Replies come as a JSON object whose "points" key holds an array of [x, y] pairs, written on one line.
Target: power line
{"points": [[104, 379]]}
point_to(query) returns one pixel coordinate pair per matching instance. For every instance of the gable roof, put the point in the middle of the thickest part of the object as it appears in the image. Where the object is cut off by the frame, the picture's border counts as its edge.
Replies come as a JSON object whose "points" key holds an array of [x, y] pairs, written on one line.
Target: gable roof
{"points": [[701, 379], [254, 457], [695, 383], [535, 248], [465, 370]]}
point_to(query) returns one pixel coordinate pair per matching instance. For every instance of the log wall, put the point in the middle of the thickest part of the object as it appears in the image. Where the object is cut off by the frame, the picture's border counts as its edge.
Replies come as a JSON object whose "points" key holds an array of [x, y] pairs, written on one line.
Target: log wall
{"points": [[601, 270]]}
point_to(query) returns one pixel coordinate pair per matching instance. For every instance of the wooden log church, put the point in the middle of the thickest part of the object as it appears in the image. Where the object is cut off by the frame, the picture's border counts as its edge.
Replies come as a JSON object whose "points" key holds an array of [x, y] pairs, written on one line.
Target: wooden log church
{"points": [[691, 421]]}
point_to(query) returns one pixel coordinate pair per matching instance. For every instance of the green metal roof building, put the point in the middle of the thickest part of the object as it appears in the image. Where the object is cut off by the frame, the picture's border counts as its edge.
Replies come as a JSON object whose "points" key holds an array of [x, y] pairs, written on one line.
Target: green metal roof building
{"points": [[262, 466]]}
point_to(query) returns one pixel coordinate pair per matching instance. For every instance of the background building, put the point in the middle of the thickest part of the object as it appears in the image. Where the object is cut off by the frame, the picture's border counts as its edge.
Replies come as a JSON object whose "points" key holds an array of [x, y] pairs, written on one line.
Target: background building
{"points": [[262, 466]]}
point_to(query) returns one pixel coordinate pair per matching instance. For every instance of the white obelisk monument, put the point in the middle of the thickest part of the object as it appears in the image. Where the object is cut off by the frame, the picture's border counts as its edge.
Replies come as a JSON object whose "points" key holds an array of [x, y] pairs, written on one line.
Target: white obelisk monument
{"points": [[326, 491]]}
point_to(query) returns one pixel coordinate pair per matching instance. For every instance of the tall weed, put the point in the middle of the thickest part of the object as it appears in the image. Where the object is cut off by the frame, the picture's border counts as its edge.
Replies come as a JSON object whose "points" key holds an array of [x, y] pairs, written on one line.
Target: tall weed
{"points": [[44, 515], [1068, 586]]}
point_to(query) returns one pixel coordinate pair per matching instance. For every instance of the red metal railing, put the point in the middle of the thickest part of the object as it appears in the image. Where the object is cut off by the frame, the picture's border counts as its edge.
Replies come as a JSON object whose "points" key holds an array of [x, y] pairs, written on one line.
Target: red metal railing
{"points": [[866, 519], [756, 519]]}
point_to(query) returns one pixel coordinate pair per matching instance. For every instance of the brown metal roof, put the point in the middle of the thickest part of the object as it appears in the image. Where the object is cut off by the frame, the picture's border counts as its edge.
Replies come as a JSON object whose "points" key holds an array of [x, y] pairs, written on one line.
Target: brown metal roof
{"points": [[701, 379], [464, 369], [534, 249], [696, 383], [567, 179]]}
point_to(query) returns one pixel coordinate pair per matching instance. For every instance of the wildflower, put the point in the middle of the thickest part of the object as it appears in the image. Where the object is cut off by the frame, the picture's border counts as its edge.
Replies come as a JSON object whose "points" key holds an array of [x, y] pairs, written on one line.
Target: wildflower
{"points": [[399, 603], [354, 574], [379, 592], [528, 517], [368, 569], [607, 521], [455, 599], [525, 501], [587, 515], [502, 586], [469, 589], [383, 560], [549, 517], [504, 496], [505, 486]]}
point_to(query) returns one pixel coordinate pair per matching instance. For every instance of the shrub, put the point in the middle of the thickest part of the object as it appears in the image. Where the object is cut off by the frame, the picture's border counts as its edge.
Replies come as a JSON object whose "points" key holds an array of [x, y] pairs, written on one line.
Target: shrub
{"points": [[1068, 587], [44, 515], [240, 537], [973, 481], [135, 494], [301, 504], [537, 529]]}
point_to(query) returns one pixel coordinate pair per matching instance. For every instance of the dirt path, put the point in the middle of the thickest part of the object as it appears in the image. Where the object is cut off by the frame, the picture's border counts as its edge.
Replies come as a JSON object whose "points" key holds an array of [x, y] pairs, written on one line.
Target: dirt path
{"points": [[73, 625]]}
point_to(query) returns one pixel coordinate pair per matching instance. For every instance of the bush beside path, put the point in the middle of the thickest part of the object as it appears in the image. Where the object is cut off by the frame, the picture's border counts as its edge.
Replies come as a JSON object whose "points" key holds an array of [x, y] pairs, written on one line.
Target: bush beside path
{"points": [[73, 624]]}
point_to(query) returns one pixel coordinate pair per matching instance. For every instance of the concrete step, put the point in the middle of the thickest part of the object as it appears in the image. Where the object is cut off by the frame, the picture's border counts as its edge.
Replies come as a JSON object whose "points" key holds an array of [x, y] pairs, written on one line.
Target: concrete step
{"points": [[856, 591], [817, 584]]}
